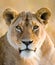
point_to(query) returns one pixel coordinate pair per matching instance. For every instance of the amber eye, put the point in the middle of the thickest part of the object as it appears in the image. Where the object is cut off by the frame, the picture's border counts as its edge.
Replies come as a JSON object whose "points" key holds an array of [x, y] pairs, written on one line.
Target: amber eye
{"points": [[19, 29], [35, 28]]}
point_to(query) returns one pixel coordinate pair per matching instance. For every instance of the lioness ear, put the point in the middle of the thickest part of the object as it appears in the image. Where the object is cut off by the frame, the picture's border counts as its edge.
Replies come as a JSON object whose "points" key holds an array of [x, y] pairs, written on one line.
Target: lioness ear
{"points": [[9, 15], [43, 15]]}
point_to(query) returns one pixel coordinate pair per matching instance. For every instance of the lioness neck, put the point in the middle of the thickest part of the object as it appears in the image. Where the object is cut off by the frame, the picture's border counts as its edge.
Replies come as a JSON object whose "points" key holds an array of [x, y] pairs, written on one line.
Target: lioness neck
{"points": [[47, 46]]}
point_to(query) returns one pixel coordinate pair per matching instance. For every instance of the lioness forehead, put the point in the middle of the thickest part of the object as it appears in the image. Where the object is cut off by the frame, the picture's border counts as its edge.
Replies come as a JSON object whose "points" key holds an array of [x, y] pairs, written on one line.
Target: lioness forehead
{"points": [[26, 17]]}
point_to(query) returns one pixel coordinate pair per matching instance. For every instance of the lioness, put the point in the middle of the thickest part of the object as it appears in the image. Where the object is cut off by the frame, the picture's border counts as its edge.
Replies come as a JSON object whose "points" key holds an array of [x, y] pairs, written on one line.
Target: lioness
{"points": [[26, 41]]}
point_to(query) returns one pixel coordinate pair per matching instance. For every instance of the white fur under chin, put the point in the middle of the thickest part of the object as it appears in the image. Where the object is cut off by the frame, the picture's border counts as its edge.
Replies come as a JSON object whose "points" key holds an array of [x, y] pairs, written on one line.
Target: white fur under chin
{"points": [[31, 55], [27, 54]]}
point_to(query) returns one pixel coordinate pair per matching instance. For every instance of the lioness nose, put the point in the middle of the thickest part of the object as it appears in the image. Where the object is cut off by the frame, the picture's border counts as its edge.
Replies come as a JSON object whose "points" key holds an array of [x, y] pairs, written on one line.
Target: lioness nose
{"points": [[27, 42]]}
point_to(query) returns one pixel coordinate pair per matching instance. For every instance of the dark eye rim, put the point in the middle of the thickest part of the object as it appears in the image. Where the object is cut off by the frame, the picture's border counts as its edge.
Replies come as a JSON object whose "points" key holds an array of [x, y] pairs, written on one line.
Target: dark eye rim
{"points": [[35, 27], [18, 27]]}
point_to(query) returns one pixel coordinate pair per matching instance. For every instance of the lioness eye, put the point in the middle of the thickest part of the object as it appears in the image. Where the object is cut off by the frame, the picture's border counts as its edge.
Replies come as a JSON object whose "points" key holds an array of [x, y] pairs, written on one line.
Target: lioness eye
{"points": [[35, 28], [18, 29]]}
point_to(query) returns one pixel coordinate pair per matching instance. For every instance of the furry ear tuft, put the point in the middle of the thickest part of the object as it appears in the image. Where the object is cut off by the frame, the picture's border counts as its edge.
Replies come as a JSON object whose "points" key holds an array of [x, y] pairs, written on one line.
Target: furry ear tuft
{"points": [[43, 15], [9, 14]]}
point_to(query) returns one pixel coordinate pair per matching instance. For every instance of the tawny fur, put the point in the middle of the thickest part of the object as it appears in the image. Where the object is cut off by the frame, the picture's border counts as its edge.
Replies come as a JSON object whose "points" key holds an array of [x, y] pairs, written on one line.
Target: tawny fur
{"points": [[9, 56], [45, 55]]}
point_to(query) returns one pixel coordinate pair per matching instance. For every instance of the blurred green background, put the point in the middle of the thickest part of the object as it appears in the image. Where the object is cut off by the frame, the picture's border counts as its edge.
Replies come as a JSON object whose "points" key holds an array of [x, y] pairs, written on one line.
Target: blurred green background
{"points": [[28, 5]]}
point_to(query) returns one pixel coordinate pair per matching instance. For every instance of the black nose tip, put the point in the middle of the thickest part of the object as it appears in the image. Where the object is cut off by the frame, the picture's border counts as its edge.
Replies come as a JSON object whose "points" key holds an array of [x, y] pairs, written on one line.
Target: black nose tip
{"points": [[27, 42]]}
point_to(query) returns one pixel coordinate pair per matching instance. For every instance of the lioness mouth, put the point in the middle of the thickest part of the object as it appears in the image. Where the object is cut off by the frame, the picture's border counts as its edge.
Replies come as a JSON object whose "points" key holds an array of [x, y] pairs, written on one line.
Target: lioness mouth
{"points": [[27, 49]]}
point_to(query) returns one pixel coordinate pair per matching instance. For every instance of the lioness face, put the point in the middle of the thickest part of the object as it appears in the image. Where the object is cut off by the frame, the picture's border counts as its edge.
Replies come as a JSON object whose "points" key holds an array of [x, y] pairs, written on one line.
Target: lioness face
{"points": [[26, 33]]}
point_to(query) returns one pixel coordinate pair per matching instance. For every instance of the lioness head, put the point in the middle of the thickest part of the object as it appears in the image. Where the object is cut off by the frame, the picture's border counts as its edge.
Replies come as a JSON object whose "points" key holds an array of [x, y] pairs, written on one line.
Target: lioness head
{"points": [[26, 31]]}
